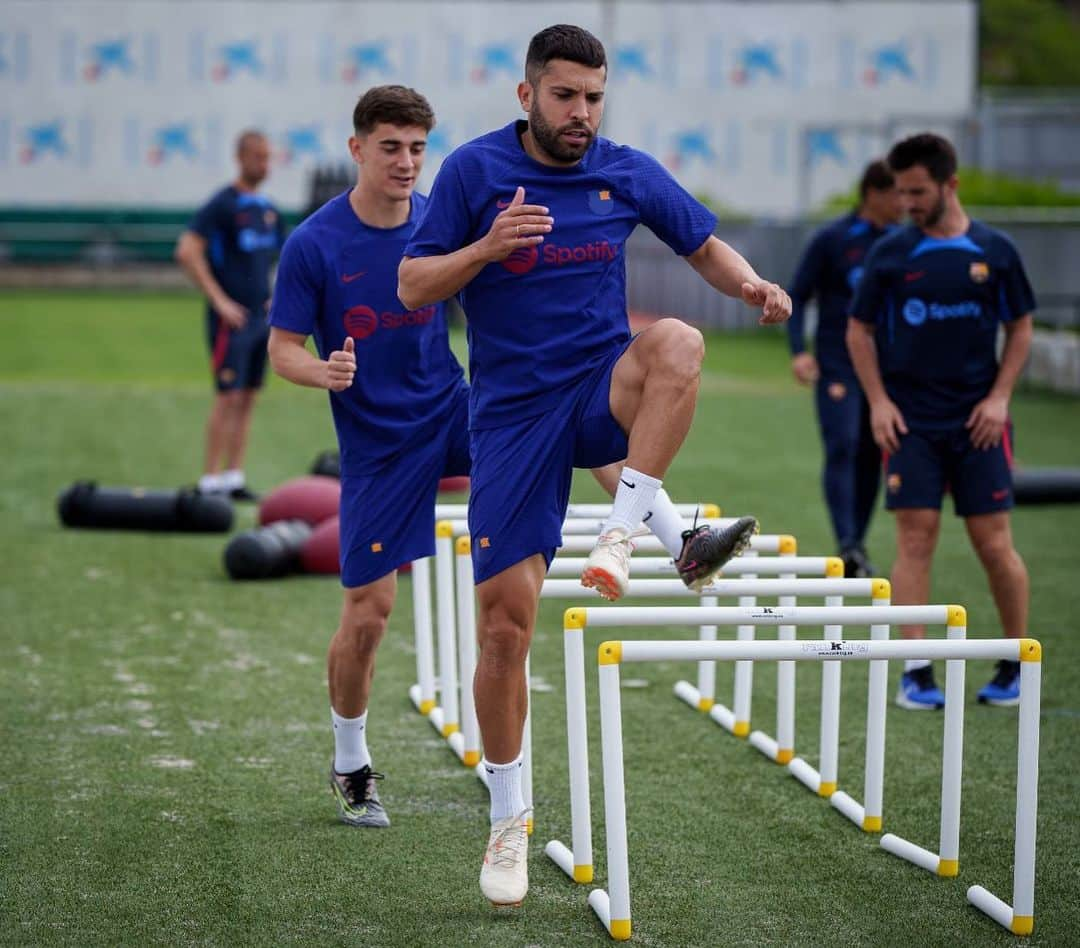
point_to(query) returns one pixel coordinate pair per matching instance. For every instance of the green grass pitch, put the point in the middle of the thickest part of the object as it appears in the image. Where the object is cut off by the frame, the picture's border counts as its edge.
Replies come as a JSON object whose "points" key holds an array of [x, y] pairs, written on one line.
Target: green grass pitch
{"points": [[165, 735]]}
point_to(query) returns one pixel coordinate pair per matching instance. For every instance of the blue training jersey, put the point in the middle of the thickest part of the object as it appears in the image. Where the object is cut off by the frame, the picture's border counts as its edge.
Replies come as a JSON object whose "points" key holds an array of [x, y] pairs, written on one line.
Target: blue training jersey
{"points": [[551, 313], [829, 269], [243, 234], [338, 278], [936, 304]]}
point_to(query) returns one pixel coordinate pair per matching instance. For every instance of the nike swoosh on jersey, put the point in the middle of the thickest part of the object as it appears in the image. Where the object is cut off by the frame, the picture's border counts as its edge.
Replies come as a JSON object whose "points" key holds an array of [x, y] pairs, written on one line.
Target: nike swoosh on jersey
{"points": [[349, 277]]}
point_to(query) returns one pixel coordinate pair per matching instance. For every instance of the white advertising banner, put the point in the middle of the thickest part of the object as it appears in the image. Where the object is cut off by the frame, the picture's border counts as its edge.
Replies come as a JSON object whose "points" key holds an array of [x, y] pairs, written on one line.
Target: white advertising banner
{"points": [[138, 102]]}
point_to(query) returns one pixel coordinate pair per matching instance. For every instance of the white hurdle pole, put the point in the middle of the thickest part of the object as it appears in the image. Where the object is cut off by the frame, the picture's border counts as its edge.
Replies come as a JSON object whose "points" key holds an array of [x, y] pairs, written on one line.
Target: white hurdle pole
{"points": [[466, 626], [422, 694], [579, 511], [444, 717], [576, 860], [744, 565], [613, 906], [946, 861], [772, 543], [1019, 918]]}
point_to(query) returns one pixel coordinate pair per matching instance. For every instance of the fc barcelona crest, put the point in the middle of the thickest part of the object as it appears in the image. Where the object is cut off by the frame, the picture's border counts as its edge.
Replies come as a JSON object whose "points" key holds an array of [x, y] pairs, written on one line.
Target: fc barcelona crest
{"points": [[979, 272]]}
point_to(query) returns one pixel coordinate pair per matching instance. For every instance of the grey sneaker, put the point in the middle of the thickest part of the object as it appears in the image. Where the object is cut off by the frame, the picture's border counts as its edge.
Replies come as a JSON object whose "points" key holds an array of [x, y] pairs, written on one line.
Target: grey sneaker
{"points": [[357, 798], [706, 549], [504, 876]]}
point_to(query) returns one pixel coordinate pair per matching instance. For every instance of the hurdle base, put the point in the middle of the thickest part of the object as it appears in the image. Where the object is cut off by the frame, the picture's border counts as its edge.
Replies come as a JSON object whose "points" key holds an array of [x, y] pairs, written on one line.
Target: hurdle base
{"points": [[619, 929], [423, 705], [770, 748], [805, 774], [560, 854], [723, 716], [1001, 912], [855, 812], [918, 856]]}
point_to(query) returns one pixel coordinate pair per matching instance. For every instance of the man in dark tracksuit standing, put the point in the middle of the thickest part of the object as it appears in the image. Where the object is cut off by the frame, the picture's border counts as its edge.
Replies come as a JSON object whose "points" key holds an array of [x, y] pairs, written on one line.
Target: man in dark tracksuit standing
{"points": [[828, 271]]}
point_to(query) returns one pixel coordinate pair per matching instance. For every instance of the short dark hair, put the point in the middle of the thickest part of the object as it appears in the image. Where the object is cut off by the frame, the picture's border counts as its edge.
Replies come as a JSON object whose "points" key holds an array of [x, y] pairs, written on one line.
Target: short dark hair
{"points": [[934, 153], [876, 176], [396, 105], [247, 137], [563, 41]]}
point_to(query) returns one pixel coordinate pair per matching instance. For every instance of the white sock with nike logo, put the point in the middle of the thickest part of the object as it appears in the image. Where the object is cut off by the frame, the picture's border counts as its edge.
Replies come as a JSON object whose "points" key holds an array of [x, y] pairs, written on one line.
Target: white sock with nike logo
{"points": [[633, 500], [664, 521], [350, 743], [504, 785]]}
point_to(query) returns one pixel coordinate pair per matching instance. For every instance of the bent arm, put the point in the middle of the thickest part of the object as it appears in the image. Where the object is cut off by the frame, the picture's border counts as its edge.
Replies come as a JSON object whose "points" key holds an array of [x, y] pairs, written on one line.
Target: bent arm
{"points": [[1018, 334], [292, 360], [722, 267], [426, 280], [190, 253]]}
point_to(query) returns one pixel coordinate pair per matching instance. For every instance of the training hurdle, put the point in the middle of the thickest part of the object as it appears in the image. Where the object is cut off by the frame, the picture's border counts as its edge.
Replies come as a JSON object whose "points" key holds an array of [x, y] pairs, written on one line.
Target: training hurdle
{"points": [[455, 627], [576, 861], [613, 906]]}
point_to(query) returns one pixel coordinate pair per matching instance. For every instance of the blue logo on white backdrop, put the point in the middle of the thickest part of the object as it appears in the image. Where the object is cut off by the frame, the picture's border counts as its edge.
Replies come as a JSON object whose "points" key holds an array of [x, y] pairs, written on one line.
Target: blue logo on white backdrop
{"points": [[632, 59], [42, 140], [172, 141], [232, 59], [299, 142], [492, 60], [823, 144], [689, 145], [888, 62], [915, 312], [755, 62], [367, 59], [107, 57]]}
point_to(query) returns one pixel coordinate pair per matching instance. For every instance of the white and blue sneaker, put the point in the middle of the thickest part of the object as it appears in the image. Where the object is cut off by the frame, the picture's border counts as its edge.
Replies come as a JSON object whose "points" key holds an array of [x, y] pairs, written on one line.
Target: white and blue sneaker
{"points": [[919, 692], [1003, 689]]}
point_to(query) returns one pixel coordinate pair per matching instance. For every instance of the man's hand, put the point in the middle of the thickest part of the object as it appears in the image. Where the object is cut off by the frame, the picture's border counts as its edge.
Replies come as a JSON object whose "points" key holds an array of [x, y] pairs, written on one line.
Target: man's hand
{"points": [[987, 421], [520, 225], [771, 298], [887, 424], [805, 368], [341, 367], [235, 315]]}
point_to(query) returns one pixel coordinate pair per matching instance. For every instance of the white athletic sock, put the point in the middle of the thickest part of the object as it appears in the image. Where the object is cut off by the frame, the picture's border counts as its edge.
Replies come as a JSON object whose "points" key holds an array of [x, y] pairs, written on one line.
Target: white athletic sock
{"points": [[350, 742], [209, 483], [232, 478], [664, 521], [633, 499], [504, 785], [914, 664]]}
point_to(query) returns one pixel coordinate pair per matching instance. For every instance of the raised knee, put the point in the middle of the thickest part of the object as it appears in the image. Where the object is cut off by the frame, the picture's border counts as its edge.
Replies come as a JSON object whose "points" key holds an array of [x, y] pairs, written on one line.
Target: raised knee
{"points": [[681, 348]]}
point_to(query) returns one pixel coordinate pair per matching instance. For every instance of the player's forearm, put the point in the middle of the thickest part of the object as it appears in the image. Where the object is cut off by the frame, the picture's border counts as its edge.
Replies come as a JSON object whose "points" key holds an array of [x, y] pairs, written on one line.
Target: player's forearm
{"points": [[426, 280], [722, 267], [863, 351], [1013, 356], [197, 269], [294, 362]]}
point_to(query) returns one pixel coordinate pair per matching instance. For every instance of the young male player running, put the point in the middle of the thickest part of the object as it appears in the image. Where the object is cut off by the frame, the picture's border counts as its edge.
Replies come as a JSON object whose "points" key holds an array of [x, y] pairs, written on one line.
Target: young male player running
{"points": [[922, 337], [529, 223], [399, 403]]}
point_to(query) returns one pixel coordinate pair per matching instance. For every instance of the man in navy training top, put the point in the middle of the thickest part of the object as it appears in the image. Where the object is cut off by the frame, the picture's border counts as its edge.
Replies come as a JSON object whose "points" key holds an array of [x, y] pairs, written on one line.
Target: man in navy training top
{"points": [[398, 398], [227, 251], [829, 269], [555, 381], [922, 338]]}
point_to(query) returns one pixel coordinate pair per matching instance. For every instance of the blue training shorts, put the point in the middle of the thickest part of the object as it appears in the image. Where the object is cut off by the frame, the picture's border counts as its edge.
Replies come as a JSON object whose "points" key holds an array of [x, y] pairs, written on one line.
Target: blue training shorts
{"points": [[521, 473], [388, 517], [929, 463], [238, 356]]}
